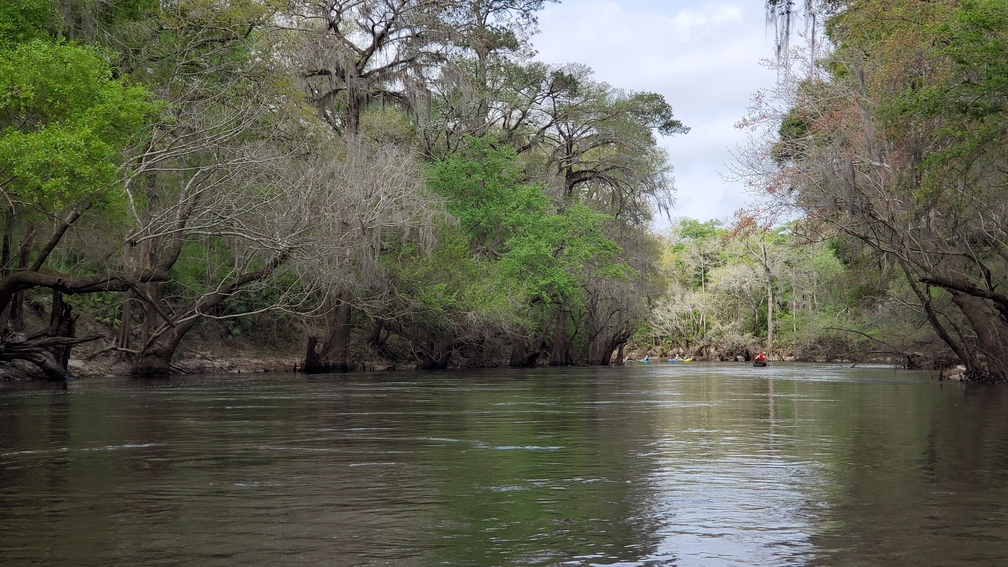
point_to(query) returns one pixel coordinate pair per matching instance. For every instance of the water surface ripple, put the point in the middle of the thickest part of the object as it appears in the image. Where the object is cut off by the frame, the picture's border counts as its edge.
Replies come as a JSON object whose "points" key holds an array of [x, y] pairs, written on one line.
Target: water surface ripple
{"points": [[660, 464]]}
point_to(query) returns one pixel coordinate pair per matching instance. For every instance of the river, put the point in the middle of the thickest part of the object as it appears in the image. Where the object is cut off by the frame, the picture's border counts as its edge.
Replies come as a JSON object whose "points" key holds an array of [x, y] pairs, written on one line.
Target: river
{"points": [[657, 464]]}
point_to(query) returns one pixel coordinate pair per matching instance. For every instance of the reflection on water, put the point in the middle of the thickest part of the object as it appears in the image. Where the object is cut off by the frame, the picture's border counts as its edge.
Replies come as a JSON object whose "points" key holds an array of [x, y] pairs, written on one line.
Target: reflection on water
{"points": [[687, 465]]}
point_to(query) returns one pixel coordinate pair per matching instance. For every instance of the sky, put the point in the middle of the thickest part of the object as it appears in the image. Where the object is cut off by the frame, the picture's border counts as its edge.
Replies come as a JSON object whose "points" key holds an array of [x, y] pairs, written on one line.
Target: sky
{"points": [[703, 56]]}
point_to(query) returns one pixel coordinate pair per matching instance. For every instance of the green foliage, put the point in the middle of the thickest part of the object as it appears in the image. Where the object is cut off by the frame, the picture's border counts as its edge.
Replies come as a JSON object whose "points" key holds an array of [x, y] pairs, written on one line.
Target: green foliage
{"points": [[65, 121], [816, 296], [690, 229], [652, 111], [973, 102], [554, 252], [510, 259], [794, 128], [198, 108], [448, 286], [24, 20], [483, 194], [546, 252]]}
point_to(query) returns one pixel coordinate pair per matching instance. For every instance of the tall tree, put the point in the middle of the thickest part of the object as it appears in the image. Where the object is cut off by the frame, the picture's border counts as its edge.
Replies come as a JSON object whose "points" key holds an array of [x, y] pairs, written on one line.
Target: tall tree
{"points": [[901, 145], [66, 127], [759, 243], [599, 144], [363, 203], [472, 94], [206, 185], [546, 257], [355, 52], [352, 54]]}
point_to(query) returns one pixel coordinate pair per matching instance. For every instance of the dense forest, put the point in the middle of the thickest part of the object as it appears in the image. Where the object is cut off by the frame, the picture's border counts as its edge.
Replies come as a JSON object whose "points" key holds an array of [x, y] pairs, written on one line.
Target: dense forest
{"points": [[400, 181]]}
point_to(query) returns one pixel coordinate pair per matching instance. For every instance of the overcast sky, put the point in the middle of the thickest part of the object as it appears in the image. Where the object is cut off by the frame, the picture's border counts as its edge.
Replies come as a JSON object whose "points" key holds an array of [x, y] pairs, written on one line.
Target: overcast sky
{"points": [[703, 56]]}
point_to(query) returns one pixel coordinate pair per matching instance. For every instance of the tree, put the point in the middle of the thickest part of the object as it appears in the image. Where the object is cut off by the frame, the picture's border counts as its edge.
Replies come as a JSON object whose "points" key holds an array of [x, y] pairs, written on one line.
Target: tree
{"points": [[475, 87], [361, 204], [599, 144], [760, 243], [67, 125], [356, 52], [353, 54], [729, 292], [595, 146], [552, 258], [452, 306], [901, 146], [544, 256], [208, 188]]}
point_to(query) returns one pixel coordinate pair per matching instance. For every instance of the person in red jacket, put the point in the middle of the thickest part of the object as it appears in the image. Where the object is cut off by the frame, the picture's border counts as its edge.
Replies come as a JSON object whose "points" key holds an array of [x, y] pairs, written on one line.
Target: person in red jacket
{"points": [[760, 357]]}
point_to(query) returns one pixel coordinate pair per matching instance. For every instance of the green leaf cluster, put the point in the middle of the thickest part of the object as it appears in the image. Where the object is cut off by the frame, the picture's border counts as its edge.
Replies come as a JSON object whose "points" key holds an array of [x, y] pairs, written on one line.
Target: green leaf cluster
{"points": [[540, 249], [65, 121], [24, 20]]}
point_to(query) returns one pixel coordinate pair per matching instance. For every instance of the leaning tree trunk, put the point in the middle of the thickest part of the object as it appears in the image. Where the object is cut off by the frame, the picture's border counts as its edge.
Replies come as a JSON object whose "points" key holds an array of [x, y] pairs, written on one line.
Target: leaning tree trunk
{"points": [[990, 337], [154, 358], [160, 342], [613, 347]]}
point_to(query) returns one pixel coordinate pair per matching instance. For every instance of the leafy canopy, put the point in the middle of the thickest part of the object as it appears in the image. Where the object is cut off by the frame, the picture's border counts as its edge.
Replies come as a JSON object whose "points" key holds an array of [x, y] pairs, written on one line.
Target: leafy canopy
{"points": [[64, 120], [544, 251]]}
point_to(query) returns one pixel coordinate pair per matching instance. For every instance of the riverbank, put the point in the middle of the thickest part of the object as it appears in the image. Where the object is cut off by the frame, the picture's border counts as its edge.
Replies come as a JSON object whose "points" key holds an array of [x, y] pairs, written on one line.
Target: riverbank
{"points": [[229, 361], [223, 348]]}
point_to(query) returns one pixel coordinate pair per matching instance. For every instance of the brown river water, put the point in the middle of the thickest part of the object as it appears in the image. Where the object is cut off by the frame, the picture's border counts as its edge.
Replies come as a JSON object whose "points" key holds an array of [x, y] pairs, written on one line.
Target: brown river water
{"points": [[657, 464]]}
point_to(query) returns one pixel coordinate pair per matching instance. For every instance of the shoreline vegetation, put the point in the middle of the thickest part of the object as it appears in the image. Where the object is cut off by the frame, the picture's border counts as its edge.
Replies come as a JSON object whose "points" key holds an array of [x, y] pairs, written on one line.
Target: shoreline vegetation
{"points": [[211, 353], [247, 359], [344, 184]]}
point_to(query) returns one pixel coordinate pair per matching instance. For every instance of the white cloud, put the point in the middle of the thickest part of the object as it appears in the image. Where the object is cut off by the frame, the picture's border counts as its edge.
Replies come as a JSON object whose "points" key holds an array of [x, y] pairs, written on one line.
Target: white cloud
{"points": [[704, 57]]}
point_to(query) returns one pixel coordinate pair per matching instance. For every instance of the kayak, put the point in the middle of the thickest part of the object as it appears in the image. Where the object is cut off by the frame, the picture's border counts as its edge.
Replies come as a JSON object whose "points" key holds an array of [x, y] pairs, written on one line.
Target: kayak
{"points": [[759, 364]]}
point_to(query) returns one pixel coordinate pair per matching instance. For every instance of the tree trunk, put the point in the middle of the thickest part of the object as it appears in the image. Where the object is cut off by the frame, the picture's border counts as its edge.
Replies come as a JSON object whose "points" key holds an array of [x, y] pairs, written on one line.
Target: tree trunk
{"points": [[605, 359], [151, 317], [16, 316], [38, 354], [312, 364], [434, 358], [154, 359], [5, 248], [62, 323], [770, 300], [335, 355], [124, 338], [376, 339], [769, 316], [559, 355], [49, 348], [994, 364], [614, 347], [338, 349], [523, 355]]}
